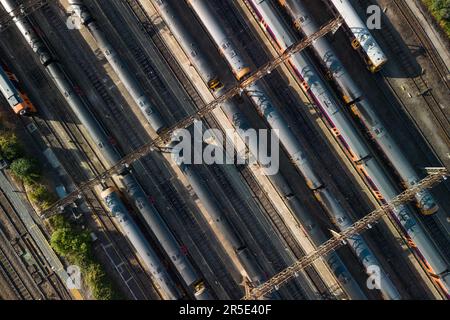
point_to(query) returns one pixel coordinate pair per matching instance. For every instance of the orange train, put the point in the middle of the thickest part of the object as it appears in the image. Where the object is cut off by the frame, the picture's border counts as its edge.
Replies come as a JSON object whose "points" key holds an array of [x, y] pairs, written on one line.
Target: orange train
{"points": [[17, 99]]}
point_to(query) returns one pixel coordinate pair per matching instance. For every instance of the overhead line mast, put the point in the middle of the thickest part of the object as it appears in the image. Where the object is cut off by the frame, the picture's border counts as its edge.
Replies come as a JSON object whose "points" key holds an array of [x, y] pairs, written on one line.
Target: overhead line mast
{"points": [[435, 176], [165, 135]]}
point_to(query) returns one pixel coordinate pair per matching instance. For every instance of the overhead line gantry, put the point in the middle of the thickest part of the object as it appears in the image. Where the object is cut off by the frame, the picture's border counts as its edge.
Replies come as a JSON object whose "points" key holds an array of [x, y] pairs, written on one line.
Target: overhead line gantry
{"points": [[435, 176]]}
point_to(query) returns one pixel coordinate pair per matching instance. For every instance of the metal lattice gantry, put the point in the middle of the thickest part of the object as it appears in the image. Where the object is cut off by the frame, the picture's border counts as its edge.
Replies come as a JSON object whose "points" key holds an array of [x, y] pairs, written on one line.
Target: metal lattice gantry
{"points": [[24, 8], [164, 137], [435, 176]]}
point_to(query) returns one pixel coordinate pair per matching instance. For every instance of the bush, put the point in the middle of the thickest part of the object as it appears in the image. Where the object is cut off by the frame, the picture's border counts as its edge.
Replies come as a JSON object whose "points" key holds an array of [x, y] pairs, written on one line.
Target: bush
{"points": [[440, 9], [72, 244], [10, 146], [41, 196], [26, 170], [75, 245], [102, 288], [58, 222]]}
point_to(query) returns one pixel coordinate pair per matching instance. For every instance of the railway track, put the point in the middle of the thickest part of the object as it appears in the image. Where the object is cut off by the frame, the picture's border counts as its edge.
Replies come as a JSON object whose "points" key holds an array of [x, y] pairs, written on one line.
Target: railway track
{"points": [[432, 54], [75, 138], [141, 15], [418, 81], [192, 92], [161, 182], [160, 92], [285, 97], [433, 226], [99, 215], [8, 269], [439, 66], [153, 173], [16, 237], [166, 53], [23, 261], [281, 228], [251, 222], [379, 240]]}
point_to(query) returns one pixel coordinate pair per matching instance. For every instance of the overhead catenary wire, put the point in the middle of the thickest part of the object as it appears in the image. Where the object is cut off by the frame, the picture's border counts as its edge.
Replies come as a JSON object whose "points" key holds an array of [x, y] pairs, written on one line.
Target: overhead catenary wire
{"points": [[165, 135], [339, 239]]}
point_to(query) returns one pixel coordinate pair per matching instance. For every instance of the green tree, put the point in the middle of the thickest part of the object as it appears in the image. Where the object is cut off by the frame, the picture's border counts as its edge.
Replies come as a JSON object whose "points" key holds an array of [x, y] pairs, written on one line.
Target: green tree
{"points": [[72, 244], [26, 170], [58, 222], [75, 245], [101, 287], [10, 146], [40, 195], [440, 9]]}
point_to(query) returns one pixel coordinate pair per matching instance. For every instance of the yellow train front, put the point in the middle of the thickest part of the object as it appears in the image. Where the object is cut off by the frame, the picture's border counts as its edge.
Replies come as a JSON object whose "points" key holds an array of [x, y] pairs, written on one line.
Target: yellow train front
{"points": [[17, 99]]}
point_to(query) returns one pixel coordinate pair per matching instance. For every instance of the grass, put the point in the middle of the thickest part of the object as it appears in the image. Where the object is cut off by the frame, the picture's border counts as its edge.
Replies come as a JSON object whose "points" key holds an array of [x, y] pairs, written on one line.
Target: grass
{"points": [[440, 9]]}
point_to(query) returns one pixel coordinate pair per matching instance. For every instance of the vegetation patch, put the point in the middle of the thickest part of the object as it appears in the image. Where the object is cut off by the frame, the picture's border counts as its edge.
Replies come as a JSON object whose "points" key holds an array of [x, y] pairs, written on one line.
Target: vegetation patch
{"points": [[440, 9], [25, 169], [76, 246], [39, 194], [68, 240], [10, 146]]}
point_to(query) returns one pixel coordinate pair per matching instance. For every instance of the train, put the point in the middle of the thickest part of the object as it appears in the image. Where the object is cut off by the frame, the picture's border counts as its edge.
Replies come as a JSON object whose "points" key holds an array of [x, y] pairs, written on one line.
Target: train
{"points": [[353, 95], [151, 216], [207, 71], [241, 124], [226, 48], [104, 144], [361, 38], [267, 109], [352, 141], [244, 255], [17, 99], [120, 214], [120, 68]]}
